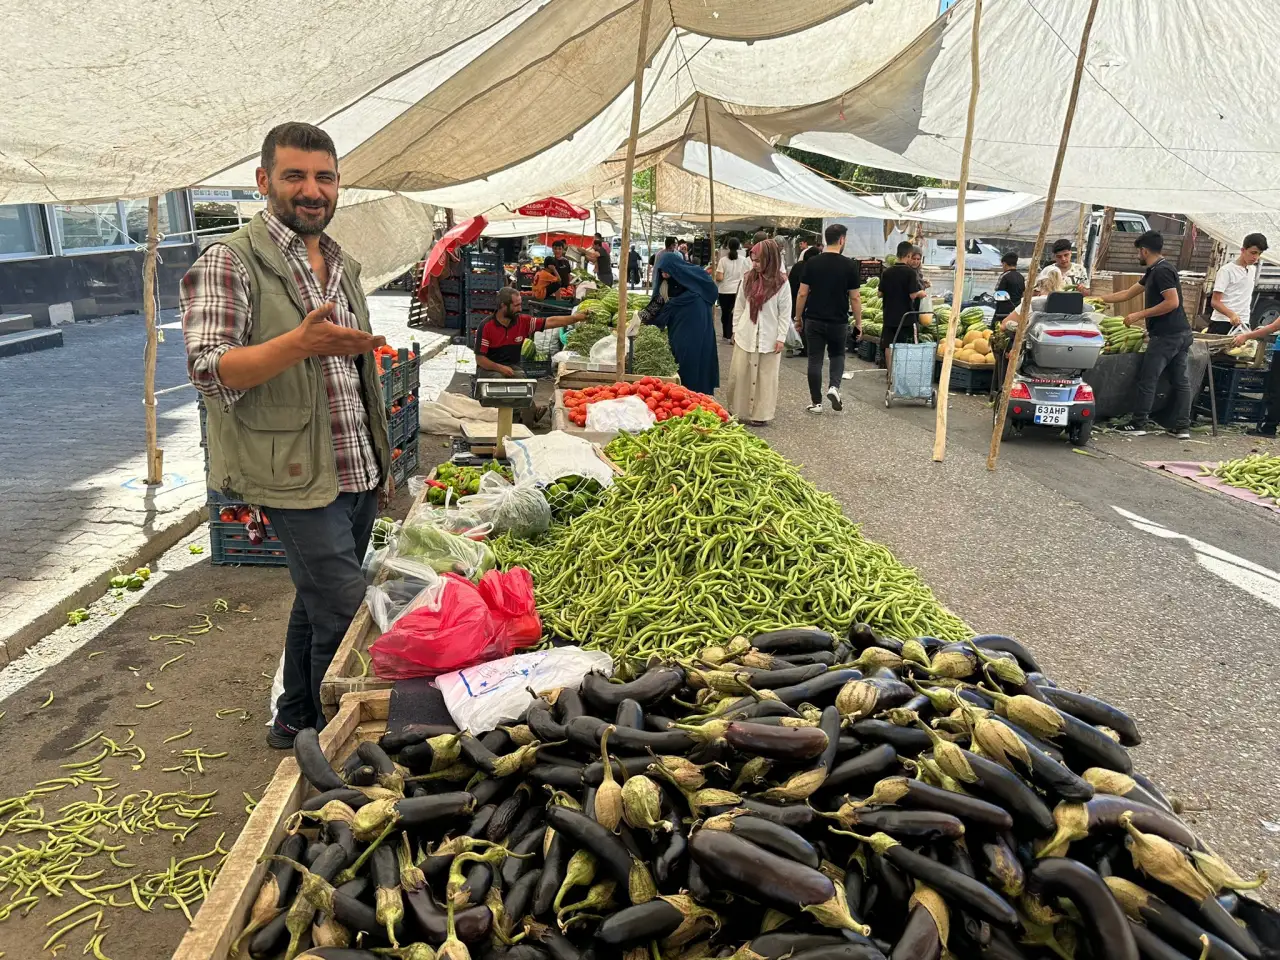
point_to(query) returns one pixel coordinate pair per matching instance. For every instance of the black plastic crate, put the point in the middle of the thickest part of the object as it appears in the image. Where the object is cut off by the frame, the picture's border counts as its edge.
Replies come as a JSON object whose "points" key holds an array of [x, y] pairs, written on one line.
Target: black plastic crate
{"points": [[230, 544], [482, 260], [963, 378], [482, 301], [1230, 380], [455, 302], [481, 282], [450, 285], [406, 465]]}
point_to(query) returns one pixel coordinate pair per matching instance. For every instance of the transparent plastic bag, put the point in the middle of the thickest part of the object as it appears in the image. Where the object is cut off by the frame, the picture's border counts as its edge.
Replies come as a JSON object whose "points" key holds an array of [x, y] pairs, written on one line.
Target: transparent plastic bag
{"points": [[424, 541], [459, 624], [408, 585], [624, 413], [519, 509], [605, 350]]}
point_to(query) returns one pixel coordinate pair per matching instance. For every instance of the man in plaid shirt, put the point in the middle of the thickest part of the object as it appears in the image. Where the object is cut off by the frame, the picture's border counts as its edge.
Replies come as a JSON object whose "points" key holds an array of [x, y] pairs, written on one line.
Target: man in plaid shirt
{"points": [[278, 342]]}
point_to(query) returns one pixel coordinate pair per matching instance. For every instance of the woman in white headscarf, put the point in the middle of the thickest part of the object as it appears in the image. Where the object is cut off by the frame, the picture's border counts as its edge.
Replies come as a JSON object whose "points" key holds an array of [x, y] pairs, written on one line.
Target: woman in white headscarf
{"points": [[761, 317]]}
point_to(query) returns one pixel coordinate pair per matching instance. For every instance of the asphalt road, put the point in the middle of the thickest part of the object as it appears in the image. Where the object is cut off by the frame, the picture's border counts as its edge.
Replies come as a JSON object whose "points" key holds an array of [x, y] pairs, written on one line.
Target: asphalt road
{"points": [[1130, 611]]}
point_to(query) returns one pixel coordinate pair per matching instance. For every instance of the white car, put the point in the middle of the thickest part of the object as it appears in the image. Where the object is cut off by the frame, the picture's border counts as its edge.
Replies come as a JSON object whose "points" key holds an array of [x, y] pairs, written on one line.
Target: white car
{"points": [[978, 255]]}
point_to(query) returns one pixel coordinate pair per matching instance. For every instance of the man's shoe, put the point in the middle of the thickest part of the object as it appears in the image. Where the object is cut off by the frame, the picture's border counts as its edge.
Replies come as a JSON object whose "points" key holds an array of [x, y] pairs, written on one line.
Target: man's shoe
{"points": [[1132, 429], [1261, 432], [280, 737], [1180, 434], [815, 408], [833, 394]]}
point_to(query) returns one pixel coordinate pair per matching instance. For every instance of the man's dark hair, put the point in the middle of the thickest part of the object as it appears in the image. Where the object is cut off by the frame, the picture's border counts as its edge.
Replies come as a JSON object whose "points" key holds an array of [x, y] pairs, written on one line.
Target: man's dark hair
{"points": [[300, 136], [1009, 259], [505, 296], [1060, 245], [669, 243], [599, 238], [1255, 240], [809, 253], [760, 235], [904, 249], [1151, 240], [834, 232], [560, 244]]}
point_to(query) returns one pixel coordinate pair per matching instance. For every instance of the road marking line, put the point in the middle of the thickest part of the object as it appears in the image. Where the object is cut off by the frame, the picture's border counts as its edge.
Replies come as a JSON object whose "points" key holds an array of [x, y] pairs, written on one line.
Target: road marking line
{"points": [[1253, 578]]}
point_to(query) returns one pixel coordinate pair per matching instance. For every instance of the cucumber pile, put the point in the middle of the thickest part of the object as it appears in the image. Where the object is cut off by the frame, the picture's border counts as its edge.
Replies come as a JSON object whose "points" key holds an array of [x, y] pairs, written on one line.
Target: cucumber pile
{"points": [[1117, 338]]}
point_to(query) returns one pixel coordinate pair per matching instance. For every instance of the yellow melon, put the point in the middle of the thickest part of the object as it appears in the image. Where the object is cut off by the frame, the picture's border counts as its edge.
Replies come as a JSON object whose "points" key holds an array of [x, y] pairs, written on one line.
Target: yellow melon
{"points": [[971, 336], [981, 346], [989, 359]]}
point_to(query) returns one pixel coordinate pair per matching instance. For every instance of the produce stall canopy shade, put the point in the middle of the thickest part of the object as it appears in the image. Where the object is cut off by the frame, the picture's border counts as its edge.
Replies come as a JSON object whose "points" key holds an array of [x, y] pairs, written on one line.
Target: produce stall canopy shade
{"points": [[472, 103], [554, 207]]}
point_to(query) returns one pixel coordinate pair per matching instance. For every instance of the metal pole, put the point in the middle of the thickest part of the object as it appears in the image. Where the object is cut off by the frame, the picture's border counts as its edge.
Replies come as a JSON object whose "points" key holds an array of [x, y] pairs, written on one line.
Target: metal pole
{"points": [[155, 456], [1020, 335], [628, 175], [957, 292]]}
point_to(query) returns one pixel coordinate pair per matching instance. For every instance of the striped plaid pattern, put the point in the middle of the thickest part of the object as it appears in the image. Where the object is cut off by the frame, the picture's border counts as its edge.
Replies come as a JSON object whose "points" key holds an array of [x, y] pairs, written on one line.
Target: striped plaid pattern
{"points": [[216, 317]]}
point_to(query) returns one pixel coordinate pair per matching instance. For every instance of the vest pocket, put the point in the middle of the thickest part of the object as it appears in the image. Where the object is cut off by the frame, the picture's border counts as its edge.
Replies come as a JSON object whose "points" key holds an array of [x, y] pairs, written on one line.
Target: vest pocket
{"points": [[275, 445]]}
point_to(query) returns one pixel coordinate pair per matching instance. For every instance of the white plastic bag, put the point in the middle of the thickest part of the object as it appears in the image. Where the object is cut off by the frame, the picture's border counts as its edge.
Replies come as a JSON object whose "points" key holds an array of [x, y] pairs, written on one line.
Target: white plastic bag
{"points": [[625, 413], [481, 697], [605, 350], [408, 585], [545, 459], [277, 689], [519, 509]]}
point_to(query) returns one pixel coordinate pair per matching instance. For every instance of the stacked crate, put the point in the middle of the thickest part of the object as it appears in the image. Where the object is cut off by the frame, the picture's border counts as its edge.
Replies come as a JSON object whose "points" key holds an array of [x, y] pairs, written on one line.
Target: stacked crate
{"points": [[400, 381], [1239, 393], [482, 276]]}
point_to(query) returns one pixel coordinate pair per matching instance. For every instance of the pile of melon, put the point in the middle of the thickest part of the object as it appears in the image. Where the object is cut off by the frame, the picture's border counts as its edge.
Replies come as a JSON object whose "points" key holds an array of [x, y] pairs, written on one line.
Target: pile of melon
{"points": [[974, 348]]}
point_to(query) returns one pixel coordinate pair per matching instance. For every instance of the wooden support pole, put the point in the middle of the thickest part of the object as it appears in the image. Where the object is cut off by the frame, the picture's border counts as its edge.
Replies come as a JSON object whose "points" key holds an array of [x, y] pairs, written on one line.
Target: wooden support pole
{"points": [[155, 456], [1024, 312], [1082, 231], [1104, 241], [628, 176], [711, 183], [957, 290]]}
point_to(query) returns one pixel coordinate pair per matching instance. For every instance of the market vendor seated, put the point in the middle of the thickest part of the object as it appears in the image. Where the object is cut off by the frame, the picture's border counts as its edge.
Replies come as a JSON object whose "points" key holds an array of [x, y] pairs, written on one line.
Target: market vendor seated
{"points": [[502, 337]]}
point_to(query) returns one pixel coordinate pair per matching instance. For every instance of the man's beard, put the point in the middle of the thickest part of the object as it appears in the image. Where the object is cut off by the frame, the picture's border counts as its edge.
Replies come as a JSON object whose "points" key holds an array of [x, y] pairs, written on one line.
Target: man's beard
{"points": [[300, 219]]}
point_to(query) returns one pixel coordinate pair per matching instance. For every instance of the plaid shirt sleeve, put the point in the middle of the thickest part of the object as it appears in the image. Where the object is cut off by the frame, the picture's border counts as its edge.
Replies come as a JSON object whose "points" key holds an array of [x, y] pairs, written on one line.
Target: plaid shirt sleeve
{"points": [[216, 316]]}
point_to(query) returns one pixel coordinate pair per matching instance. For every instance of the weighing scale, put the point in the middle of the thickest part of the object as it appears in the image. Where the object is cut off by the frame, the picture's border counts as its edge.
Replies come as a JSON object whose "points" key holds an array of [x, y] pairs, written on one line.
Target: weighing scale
{"points": [[505, 396]]}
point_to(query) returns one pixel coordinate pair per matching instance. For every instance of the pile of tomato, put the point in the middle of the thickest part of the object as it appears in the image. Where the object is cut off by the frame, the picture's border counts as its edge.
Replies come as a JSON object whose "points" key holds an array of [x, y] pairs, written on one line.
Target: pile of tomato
{"points": [[666, 400]]}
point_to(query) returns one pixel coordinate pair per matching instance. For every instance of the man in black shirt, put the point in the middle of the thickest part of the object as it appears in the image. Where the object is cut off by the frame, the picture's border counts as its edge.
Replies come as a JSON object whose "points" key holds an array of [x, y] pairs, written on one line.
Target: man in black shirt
{"points": [[828, 291], [599, 255], [1168, 337], [1011, 282], [900, 291], [560, 263]]}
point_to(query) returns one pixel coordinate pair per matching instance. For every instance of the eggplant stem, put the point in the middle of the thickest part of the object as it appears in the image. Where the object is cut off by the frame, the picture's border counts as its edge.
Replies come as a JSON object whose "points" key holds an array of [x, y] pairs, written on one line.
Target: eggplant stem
{"points": [[349, 874]]}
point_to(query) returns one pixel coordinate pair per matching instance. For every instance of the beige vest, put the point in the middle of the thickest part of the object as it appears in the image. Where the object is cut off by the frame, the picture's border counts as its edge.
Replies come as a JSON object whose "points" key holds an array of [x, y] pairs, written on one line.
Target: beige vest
{"points": [[274, 447]]}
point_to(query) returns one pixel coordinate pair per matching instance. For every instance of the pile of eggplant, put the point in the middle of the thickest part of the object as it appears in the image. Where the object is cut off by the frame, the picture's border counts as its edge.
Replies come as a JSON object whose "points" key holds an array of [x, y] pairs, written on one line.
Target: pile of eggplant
{"points": [[788, 796]]}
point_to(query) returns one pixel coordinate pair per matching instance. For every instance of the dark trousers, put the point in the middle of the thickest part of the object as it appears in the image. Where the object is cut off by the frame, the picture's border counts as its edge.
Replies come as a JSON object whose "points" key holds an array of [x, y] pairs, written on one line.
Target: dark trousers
{"points": [[1165, 353], [727, 300], [831, 336], [325, 548], [1272, 419]]}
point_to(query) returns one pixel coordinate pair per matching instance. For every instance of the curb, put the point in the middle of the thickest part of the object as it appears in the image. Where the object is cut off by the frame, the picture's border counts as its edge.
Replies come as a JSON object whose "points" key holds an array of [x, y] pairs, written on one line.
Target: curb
{"points": [[16, 643]]}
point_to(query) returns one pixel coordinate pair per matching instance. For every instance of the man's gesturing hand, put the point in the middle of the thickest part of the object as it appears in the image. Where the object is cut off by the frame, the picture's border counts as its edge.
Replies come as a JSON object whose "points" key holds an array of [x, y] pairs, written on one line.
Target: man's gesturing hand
{"points": [[319, 336]]}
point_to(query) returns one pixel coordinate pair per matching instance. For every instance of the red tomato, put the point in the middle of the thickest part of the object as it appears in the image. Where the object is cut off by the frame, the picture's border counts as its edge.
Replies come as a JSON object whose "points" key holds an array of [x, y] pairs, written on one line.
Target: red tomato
{"points": [[663, 414], [227, 514], [651, 403], [624, 389]]}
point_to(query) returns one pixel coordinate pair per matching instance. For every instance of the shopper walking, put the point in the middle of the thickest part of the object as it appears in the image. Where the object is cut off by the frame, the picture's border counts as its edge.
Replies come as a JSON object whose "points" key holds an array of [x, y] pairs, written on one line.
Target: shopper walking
{"points": [[689, 294], [279, 344], [901, 293], [729, 273], [762, 317], [828, 292], [633, 267], [1168, 338]]}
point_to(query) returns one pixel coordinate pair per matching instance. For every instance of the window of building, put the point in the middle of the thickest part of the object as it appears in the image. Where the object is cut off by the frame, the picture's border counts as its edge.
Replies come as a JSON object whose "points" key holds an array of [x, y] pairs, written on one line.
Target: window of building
{"points": [[22, 232], [121, 224]]}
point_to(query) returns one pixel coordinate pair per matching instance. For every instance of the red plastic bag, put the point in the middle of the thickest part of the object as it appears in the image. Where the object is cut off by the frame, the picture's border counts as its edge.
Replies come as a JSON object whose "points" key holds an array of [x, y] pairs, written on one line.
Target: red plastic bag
{"points": [[461, 625]]}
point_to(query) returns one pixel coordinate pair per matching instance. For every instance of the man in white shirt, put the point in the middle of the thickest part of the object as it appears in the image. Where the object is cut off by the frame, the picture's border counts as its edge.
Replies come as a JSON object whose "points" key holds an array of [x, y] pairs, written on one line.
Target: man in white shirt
{"points": [[1062, 274], [1233, 288]]}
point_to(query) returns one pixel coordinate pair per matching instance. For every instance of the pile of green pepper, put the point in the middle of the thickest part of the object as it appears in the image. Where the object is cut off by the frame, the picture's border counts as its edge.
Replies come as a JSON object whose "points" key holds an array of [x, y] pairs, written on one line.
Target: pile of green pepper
{"points": [[710, 534], [572, 496], [463, 481], [1257, 473]]}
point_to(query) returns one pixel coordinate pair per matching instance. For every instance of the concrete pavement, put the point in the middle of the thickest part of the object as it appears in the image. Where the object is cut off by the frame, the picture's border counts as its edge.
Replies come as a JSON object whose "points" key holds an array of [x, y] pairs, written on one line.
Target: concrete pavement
{"points": [[1155, 617], [72, 508]]}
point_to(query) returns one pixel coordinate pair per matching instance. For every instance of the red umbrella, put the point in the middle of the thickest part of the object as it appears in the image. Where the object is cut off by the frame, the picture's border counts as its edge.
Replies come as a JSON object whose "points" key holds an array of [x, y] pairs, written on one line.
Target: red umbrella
{"points": [[554, 207], [461, 234]]}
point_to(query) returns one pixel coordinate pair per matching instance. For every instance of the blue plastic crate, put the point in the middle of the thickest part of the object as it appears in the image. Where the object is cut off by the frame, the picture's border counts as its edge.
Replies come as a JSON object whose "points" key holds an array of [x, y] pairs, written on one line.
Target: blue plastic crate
{"points": [[481, 260], [480, 282], [406, 465], [482, 301]]}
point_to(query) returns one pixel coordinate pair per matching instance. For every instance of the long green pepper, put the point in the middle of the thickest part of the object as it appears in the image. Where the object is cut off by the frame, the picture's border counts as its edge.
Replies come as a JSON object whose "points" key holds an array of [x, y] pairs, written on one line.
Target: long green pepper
{"points": [[710, 534]]}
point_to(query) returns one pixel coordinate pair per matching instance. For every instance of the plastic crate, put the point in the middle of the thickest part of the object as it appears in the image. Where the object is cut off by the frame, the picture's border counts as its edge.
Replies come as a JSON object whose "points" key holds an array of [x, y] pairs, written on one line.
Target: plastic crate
{"points": [[406, 465], [402, 426], [481, 260], [453, 321], [450, 285], [482, 301], [966, 379], [1239, 393], [454, 302], [229, 541], [229, 544], [480, 282], [536, 369]]}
